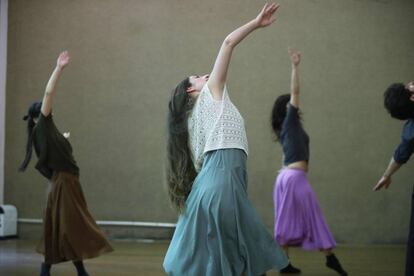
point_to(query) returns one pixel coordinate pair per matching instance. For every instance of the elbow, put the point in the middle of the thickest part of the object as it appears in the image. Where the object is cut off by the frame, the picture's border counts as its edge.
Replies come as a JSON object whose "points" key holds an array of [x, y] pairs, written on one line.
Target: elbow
{"points": [[228, 42], [49, 92], [295, 92], [399, 161]]}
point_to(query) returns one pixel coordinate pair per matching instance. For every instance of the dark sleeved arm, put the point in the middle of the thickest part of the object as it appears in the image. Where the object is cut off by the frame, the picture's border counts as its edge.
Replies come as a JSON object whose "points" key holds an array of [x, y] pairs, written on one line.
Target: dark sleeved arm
{"points": [[404, 151], [292, 116], [406, 147], [41, 138], [41, 142]]}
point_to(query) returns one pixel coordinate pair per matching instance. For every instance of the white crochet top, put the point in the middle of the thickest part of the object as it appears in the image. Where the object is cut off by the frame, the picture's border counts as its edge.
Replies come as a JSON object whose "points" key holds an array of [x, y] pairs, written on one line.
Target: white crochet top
{"points": [[214, 124]]}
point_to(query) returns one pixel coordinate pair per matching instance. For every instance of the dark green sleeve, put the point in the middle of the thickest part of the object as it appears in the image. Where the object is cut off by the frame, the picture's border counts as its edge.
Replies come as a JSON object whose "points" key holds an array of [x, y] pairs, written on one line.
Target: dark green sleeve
{"points": [[40, 141]]}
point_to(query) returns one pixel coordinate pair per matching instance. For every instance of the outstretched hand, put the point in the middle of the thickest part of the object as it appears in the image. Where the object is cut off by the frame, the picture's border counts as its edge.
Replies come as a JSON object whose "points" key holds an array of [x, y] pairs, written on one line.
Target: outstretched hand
{"points": [[265, 17], [63, 59], [384, 182], [294, 56]]}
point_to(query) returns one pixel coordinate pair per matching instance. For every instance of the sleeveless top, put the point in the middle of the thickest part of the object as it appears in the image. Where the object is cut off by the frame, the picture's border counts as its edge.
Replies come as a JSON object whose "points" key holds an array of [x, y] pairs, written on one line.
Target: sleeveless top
{"points": [[53, 150], [214, 124], [294, 139]]}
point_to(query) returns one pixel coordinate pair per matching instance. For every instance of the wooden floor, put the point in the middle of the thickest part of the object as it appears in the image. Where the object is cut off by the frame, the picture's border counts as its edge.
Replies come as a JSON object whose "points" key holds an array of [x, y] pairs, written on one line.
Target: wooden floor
{"points": [[131, 258]]}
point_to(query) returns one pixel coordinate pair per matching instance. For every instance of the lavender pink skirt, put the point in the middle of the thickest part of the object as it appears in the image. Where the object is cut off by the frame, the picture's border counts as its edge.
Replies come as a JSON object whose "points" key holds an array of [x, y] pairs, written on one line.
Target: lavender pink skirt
{"points": [[298, 218]]}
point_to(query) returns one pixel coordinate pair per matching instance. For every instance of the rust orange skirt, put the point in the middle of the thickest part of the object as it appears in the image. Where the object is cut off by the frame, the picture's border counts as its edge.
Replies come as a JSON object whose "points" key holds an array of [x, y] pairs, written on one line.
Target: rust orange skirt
{"points": [[70, 233]]}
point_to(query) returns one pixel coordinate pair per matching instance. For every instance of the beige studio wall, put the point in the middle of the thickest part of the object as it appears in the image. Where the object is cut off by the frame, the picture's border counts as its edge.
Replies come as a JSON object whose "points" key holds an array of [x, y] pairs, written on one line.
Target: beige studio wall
{"points": [[128, 55]]}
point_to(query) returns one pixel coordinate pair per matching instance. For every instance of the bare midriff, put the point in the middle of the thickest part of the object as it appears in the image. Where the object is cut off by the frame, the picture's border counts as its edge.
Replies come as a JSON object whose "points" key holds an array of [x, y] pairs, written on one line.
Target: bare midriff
{"points": [[302, 165]]}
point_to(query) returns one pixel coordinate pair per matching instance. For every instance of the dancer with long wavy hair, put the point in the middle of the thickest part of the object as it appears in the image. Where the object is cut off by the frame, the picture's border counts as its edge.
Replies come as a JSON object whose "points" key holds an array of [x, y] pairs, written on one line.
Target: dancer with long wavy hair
{"points": [[218, 231]]}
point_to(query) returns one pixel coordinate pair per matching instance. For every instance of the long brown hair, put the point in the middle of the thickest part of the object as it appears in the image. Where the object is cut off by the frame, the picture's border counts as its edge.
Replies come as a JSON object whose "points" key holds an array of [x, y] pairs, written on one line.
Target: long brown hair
{"points": [[180, 168]]}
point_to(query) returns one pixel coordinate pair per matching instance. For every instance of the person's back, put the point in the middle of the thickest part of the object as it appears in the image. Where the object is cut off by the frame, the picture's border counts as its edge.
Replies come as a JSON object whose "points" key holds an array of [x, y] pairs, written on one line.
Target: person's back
{"points": [[294, 139], [53, 150]]}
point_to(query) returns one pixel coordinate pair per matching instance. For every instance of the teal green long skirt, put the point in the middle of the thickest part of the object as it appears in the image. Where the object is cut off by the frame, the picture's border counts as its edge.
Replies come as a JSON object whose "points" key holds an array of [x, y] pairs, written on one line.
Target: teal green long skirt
{"points": [[220, 233]]}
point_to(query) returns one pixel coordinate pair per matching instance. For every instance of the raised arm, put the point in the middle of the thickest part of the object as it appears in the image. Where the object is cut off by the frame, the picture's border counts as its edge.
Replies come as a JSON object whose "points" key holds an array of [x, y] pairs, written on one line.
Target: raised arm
{"points": [[47, 102], [294, 81], [218, 76]]}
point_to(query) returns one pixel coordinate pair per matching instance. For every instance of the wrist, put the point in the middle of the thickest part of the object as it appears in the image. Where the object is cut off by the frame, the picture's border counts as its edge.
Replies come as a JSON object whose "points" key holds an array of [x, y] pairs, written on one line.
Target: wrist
{"points": [[255, 23], [59, 67], [386, 176]]}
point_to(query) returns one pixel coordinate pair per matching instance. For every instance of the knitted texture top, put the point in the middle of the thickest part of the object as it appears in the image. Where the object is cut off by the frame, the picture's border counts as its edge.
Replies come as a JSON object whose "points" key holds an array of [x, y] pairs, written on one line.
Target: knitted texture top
{"points": [[215, 124]]}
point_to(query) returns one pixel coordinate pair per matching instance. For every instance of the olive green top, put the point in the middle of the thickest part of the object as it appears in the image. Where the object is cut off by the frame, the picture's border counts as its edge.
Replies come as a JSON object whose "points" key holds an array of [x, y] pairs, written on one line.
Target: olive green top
{"points": [[53, 150]]}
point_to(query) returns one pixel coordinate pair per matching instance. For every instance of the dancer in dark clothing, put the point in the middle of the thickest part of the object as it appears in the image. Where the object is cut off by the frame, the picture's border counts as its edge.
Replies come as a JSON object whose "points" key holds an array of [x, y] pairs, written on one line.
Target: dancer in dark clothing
{"points": [[69, 231], [298, 218], [399, 101]]}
